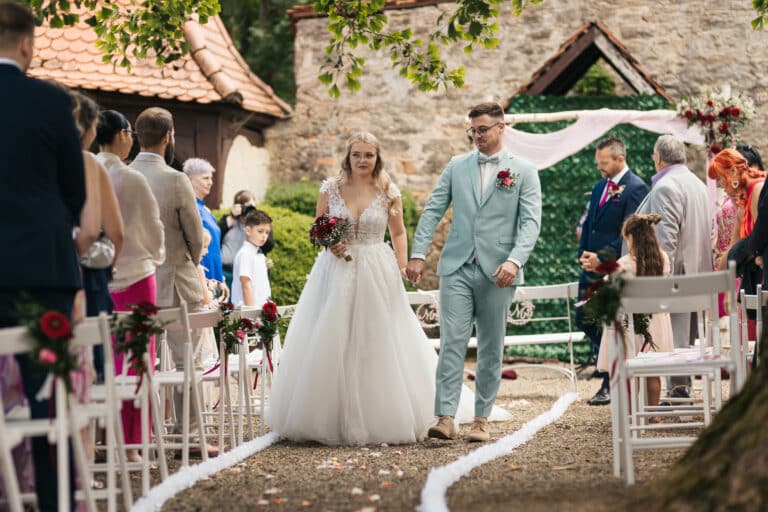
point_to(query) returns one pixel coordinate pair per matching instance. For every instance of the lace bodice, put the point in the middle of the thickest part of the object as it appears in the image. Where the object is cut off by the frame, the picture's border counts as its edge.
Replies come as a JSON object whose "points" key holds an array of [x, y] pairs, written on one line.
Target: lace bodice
{"points": [[370, 226]]}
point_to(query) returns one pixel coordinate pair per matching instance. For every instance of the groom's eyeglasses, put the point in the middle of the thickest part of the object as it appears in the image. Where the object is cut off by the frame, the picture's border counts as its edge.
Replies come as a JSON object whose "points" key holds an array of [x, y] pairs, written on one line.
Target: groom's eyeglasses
{"points": [[480, 130]]}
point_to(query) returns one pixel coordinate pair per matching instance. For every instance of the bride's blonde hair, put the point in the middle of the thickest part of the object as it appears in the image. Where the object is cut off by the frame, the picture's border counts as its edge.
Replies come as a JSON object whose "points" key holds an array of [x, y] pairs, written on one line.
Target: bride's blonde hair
{"points": [[380, 177]]}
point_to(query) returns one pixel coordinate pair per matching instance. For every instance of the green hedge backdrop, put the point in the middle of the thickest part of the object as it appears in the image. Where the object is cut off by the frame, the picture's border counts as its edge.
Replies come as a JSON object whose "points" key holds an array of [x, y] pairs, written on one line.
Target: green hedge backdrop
{"points": [[565, 188]]}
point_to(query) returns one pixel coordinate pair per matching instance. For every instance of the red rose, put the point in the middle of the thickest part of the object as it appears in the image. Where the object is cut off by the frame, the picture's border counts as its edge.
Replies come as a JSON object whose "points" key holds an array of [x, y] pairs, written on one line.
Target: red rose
{"points": [[270, 317], [723, 128], [715, 149], [689, 114], [607, 267], [47, 356], [246, 323], [592, 289], [503, 174], [710, 103], [735, 112], [146, 308], [269, 308], [725, 112], [55, 325]]}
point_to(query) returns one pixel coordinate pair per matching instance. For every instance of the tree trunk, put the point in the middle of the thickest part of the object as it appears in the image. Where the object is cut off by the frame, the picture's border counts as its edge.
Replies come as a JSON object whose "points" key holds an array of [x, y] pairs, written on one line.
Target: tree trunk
{"points": [[727, 467]]}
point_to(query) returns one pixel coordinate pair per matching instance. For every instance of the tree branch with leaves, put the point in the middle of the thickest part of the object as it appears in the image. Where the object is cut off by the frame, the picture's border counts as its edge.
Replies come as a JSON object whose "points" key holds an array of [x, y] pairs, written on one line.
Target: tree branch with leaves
{"points": [[150, 28]]}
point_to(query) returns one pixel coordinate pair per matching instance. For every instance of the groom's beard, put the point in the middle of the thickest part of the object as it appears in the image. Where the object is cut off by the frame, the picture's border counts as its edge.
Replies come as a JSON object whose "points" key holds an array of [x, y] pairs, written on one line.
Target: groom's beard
{"points": [[169, 149]]}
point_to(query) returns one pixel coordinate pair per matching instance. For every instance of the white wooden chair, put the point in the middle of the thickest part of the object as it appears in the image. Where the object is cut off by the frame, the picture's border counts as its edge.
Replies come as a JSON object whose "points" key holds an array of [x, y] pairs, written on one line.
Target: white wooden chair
{"points": [[190, 379], [675, 294], [146, 399], [522, 312], [66, 425]]}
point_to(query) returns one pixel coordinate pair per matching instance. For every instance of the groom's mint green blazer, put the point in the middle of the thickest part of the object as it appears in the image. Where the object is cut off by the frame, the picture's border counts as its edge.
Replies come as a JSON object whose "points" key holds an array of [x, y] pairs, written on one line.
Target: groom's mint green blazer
{"points": [[503, 224]]}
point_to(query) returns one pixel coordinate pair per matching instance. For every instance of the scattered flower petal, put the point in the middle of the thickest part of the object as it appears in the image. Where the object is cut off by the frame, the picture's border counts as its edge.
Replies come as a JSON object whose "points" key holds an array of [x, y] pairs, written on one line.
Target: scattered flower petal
{"points": [[374, 497], [386, 485], [384, 472], [262, 503], [356, 491], [273, 490]]}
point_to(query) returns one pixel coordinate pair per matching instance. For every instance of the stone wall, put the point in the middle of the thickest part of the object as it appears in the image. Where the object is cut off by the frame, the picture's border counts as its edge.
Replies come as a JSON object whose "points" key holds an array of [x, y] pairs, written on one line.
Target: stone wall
{"points": [[689, 46]]}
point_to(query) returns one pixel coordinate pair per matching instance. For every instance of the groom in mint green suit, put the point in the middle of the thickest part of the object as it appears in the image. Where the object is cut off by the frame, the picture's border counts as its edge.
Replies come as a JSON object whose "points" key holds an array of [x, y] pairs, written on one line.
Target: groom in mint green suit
{"points": [[496, 201]]}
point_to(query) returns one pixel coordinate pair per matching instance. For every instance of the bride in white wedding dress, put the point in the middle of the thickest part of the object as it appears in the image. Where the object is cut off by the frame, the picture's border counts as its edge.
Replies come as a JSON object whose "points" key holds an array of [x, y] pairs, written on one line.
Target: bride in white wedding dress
{"points": [[357, 367]]}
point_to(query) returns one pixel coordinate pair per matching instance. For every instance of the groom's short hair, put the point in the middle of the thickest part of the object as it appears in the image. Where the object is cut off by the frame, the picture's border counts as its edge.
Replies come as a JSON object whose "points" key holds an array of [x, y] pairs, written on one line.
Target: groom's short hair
{"points": [[617, 147], [490, 109]]}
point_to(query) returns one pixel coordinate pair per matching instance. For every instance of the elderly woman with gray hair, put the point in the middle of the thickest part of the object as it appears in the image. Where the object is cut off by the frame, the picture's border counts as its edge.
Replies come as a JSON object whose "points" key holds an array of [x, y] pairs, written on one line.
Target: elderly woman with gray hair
{"points": [[200, 173]]}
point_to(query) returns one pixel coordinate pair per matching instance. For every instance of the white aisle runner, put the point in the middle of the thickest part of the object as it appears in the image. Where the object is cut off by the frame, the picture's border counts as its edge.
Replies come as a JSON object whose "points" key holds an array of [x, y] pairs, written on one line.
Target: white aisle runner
{"points": [[441, 478], [187, 477]]}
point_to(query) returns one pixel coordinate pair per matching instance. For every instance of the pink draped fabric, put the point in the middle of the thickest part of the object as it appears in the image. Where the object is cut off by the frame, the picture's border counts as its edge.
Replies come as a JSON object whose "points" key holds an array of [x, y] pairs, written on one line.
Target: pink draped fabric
{"points": [[144, 290]]}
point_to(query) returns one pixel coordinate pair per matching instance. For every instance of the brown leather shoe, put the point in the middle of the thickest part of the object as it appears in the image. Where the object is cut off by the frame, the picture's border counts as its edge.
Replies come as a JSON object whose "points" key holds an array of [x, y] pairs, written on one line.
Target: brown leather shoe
{"points": [[444, 429], [480, 431]]}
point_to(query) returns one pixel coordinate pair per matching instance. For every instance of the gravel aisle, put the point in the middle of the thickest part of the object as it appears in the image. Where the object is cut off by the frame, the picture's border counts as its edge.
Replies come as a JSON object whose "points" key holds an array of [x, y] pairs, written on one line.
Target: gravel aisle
{"points": [[566, 466]]}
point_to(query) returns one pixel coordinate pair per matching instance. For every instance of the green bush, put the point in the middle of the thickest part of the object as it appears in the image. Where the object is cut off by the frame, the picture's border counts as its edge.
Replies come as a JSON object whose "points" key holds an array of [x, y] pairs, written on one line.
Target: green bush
{"points": [[565, 192], [299, 197], [293, 255]]}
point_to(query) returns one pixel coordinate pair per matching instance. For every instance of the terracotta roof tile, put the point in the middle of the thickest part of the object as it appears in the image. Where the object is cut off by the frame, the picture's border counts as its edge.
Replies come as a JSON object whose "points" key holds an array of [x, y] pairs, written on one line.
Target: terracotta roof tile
{"points": [[213, 71]]}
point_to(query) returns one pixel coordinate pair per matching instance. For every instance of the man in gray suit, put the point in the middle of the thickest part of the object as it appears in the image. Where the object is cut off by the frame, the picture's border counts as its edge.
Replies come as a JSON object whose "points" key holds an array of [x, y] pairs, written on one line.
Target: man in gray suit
{"points": [[685, 230], [177, 278]]}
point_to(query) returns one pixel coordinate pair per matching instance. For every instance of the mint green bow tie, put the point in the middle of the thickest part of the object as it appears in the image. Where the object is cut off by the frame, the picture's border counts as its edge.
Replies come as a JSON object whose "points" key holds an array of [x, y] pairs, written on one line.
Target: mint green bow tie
{"points": [[487, 159]]}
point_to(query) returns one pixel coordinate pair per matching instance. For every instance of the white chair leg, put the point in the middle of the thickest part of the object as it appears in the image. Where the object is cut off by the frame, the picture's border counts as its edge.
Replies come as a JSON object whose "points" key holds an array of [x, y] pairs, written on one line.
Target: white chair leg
{"points": [[10, 479], [157, 422], [125, 480], [81, 463], [230, 415], [62, 432], [200, 422], [248, 403]]}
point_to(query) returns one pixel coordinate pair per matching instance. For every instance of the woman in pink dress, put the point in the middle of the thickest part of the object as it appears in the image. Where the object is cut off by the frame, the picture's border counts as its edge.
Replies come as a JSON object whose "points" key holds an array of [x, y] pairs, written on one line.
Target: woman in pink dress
{"points": [[133, 280], [743, 185]]}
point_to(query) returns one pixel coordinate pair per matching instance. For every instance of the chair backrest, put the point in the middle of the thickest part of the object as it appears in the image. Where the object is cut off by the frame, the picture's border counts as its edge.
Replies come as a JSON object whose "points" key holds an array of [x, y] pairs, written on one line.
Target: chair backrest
{"points": [[17, 340], [695, 293], [523, 310], [677, 294], [204, 319]]}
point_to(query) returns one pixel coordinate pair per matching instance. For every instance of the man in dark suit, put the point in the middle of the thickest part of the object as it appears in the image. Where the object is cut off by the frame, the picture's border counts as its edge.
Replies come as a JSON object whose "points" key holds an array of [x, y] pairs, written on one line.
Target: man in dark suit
{"points": [[615, 196], [41, 169]]}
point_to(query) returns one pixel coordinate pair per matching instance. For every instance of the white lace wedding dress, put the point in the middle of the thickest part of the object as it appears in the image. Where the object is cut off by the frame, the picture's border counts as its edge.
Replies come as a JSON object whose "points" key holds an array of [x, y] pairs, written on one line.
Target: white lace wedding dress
{"points": [[357, 367]]}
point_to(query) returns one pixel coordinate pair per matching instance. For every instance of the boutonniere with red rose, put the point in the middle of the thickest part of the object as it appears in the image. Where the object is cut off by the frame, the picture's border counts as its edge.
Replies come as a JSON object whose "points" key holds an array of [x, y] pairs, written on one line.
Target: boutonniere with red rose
{"points": [[52, 331], [133, 332], [615, 190], [505, 179]]}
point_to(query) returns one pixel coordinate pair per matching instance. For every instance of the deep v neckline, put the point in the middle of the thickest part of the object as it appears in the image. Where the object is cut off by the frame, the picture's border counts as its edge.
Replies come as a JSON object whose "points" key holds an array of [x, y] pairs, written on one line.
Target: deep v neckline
{"points": [[362, 212]]}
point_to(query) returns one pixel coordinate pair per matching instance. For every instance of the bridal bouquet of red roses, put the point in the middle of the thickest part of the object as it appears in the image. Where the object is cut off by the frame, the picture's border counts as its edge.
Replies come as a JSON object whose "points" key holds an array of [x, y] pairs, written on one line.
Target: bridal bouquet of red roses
{"points": [[328, 230]]}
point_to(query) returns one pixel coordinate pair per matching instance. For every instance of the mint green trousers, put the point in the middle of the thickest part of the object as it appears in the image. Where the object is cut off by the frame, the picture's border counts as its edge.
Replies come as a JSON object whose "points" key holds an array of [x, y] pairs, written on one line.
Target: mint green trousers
{"points": [[468, 296]]}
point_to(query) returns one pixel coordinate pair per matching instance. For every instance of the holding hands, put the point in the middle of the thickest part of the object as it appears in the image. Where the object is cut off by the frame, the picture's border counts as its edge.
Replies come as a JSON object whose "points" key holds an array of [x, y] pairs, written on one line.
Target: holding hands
{"points": [[414, 270]]}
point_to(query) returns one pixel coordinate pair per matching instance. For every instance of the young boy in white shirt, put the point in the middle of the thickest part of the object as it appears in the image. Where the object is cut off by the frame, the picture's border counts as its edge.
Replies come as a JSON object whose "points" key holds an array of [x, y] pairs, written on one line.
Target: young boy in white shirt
{"points": [[250, 283]]}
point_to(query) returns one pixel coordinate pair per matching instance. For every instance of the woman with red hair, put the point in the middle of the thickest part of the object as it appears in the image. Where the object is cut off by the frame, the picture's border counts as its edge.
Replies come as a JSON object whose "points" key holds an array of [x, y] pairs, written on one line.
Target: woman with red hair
{"points": [[743, 184]]}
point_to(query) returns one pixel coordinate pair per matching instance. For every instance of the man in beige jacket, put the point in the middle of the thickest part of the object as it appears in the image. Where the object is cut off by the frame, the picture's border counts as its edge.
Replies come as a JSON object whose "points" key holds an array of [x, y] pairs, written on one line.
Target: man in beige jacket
{"points": [[177, 278]]}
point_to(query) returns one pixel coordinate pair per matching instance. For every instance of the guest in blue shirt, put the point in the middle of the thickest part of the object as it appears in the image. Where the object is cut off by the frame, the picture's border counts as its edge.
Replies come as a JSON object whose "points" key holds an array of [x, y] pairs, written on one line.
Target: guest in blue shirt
{"points": [[200, 173]]}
